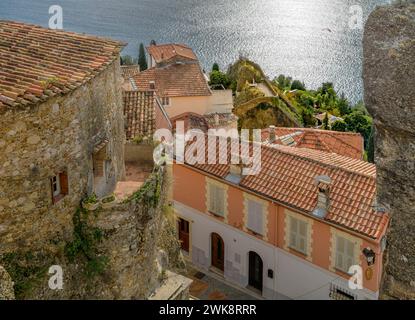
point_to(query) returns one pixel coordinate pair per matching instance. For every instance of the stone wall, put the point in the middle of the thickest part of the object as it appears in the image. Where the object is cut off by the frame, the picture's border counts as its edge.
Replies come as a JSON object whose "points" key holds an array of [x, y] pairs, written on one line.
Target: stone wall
{"points": [[39, 141], [137, 242], [389, 73], [6, 285]]}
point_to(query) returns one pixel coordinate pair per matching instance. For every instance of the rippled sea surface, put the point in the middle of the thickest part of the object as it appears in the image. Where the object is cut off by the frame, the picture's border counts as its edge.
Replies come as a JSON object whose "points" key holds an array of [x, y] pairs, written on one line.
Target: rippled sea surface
{"points": [[307, 39]]}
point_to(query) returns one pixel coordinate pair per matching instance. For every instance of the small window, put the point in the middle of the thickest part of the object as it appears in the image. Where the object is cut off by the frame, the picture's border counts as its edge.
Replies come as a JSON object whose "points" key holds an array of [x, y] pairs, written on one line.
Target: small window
{"points": [[98, 168], [165, 101], [298, 235], [255, 221], [59, 186], [344, 254], [216, 200]]}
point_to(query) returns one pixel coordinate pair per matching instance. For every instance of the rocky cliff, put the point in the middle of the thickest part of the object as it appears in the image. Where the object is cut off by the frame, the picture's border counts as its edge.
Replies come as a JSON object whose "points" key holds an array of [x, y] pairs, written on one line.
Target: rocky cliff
{"points": [[389, 73]]}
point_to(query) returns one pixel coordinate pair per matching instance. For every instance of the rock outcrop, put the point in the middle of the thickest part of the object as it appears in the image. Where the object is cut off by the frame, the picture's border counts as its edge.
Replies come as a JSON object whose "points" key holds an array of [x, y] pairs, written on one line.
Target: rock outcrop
{"points": [[389, 73], [6, 285]]}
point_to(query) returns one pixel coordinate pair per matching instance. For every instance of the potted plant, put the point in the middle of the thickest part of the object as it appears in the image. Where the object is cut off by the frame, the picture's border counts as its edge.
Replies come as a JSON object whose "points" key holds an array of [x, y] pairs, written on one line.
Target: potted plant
{"points": [[108, 201], [91, 203]]}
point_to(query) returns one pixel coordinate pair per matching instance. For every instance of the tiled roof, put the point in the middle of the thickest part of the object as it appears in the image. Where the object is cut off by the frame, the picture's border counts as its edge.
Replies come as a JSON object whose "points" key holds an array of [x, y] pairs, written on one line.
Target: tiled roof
{"points": [[191, 120], [129, 71], [165, 52], [139, 113], [288, 174], [204, 122], [38, 63], [344, 143], [174, 80]]}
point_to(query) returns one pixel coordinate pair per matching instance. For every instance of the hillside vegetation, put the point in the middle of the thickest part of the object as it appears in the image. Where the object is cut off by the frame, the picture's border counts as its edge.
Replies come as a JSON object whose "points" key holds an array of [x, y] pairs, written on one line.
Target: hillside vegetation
{"points": [[260, 102]]}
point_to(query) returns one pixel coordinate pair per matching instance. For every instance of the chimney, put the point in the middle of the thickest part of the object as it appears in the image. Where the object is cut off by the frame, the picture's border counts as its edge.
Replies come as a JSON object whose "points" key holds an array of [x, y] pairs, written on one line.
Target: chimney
{"points": [[323, 196], [271, 135], [152, 85]]}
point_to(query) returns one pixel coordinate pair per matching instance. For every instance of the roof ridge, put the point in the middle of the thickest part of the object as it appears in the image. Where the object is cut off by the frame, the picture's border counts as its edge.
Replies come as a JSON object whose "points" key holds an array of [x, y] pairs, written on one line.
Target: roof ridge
{"points": [[345, 142], [317, 130], [296, 153]]}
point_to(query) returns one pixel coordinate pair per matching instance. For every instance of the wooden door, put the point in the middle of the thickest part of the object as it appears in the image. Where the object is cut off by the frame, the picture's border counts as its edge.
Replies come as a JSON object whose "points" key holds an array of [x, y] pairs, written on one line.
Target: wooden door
{"points": [[255, 271], [218, 252], [184, 234]]}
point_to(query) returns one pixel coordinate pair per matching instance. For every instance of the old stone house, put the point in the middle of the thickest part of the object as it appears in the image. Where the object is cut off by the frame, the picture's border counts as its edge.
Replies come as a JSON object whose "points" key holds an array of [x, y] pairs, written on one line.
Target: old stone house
{"points": [[63, 138], [61, 127]]}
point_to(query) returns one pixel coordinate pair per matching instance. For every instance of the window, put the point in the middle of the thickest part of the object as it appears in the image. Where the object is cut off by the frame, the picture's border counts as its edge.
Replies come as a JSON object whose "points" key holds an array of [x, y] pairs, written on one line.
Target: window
{"points": [[216, 200], [344, 254], [56, 186], [98, 168], [255, 221], [165, 101], [298, 235], [59, 186]]}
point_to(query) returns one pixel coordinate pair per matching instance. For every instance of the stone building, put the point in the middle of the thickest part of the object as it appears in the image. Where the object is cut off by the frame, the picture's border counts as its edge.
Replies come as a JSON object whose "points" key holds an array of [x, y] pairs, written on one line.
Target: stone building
{"points": [[61, 128], [62, 138]]}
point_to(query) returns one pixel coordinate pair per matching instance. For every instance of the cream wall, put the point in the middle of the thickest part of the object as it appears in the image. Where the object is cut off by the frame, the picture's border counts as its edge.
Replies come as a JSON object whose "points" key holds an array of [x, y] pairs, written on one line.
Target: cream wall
{"points": [[220, 101], [196, 104]]}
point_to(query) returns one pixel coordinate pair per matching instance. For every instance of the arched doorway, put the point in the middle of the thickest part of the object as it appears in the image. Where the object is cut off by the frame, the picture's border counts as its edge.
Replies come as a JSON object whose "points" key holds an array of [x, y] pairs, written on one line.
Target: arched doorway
{"points": [[218, 252], [255, 271]]}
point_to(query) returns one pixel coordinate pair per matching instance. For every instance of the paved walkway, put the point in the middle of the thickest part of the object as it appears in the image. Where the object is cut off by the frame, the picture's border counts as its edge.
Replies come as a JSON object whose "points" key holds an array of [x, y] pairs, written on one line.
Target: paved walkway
{"points": [[208, 286]]}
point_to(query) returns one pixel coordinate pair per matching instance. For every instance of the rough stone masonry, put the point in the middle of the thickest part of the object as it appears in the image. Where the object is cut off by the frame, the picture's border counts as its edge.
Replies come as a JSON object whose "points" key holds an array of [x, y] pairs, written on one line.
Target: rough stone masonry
{"points": [[389, 73]]}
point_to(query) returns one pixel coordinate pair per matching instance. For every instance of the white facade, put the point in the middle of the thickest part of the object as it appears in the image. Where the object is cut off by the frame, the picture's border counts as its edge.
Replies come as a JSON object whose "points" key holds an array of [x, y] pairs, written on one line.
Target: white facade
{"points": [[293, 277]]}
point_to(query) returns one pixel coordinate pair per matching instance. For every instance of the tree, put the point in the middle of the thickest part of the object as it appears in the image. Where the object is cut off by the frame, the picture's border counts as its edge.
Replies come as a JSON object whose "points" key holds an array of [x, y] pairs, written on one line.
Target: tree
{"points": [[307, 118], [357, 121], [297, 85], [343, 105], [218, 78], [326, 122], [339, 125], [283, 82], [127, 60], [142, 60], [215, 67]]}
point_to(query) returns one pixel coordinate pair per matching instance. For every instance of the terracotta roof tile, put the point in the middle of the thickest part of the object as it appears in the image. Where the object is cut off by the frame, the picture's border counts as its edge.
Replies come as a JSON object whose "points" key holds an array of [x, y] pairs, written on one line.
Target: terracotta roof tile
{"points": [[287, 176], [37, 63], [174, 80], [204, 122], [165, 52], [130, 71], [344, 143]]}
